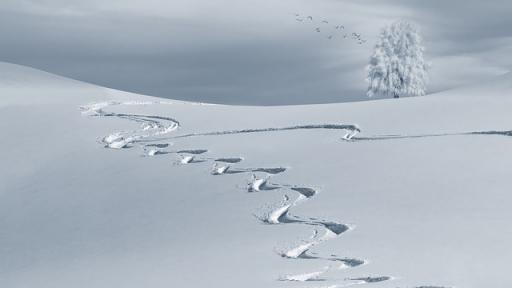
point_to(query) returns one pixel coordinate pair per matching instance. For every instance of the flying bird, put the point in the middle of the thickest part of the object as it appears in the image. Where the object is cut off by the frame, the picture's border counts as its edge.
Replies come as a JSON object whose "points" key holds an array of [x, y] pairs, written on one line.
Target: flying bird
{"points": [[353, 35]]}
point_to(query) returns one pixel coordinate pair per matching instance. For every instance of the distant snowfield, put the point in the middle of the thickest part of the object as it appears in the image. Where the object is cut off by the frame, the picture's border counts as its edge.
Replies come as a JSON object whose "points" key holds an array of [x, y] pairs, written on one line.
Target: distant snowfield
{"points": [[102, 188]]}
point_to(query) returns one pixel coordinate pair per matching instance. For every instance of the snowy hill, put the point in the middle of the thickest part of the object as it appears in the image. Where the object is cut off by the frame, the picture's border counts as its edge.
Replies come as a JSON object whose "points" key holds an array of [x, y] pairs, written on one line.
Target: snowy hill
{"points": [[102, 188]]}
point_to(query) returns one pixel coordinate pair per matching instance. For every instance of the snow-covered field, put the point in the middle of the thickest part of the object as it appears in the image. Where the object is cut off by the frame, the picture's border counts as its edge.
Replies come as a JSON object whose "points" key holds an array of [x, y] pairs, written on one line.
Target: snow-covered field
{"points": [[103, 188]]}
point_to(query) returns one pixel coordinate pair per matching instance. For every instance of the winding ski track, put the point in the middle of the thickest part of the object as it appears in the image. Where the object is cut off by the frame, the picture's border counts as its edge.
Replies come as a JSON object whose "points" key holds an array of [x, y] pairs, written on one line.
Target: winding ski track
{"points": [[155, 128]]}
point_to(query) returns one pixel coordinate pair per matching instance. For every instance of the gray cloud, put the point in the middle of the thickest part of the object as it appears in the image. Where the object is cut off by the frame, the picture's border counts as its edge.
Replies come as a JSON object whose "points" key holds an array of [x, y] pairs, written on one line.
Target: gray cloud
{"points": [[243, 53]]}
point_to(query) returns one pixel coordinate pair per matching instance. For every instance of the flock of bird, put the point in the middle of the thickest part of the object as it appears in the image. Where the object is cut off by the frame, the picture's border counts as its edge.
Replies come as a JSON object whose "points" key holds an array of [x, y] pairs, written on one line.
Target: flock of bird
{"points": [[333, 30]]}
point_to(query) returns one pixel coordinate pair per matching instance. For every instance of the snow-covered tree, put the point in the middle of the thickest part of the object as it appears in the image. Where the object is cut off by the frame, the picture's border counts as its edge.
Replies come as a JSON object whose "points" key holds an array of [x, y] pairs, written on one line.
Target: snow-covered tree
{"points": [[397, 66]]}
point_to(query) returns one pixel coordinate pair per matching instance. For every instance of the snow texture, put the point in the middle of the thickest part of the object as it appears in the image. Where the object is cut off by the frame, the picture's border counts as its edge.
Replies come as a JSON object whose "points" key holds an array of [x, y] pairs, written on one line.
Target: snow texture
{"points": [[419, 178]]}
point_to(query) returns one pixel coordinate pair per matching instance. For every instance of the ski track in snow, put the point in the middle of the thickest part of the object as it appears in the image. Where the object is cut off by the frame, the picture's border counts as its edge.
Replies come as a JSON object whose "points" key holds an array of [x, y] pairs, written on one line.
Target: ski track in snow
{"points": [[154, 128], [351, 129], [150, 126], [395, 137], [229, 160], [305, 277]]}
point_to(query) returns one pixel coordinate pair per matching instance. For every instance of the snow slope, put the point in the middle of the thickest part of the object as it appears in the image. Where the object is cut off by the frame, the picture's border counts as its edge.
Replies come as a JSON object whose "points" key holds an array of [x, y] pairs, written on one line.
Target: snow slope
{"points": [[102, 188]]}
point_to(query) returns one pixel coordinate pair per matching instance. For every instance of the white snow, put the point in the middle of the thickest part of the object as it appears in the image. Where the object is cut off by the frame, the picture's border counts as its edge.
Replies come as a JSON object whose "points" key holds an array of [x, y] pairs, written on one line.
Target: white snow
{"points": [[297, 251], [312, 276], [274, 216], [120, 142], [426, 180], [257, 184], [112, 138], [300, 249], [219, 170]]}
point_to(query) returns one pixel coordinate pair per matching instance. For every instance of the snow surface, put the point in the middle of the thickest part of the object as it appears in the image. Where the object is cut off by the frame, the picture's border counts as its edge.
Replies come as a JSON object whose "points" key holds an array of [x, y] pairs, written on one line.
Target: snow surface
{"points": [[424, 189]]}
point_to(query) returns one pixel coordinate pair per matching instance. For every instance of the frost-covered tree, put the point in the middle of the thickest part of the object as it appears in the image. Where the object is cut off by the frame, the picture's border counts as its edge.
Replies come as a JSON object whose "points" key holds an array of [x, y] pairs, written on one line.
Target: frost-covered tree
{"points": [[397, 66]]}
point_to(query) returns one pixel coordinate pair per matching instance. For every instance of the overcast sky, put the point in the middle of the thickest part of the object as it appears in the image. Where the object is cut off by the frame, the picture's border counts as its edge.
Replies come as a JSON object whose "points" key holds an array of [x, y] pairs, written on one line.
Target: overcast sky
{"points": [[248, 51]]}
